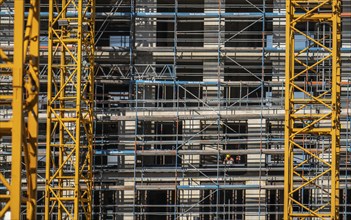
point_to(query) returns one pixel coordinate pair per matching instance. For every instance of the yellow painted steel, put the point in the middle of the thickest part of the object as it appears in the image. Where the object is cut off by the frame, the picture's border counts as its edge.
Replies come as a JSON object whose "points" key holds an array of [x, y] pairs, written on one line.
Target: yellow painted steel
{"points": [[314, 114], [69, 177], [22, 126], [23, 68]]}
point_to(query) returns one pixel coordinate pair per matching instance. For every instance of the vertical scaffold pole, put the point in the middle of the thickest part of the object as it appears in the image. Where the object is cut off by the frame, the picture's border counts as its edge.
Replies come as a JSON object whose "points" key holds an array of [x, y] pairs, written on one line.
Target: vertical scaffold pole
{"points": [[312, 109]]}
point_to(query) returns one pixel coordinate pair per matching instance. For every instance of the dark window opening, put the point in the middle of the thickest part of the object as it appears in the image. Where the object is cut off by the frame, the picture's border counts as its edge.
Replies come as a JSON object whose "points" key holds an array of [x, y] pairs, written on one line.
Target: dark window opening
{"points": [[110, 96], [165, 33], [189, 31], [166, 134], [116, 27], [190, 73], [246, 32], [184, 93], [106, 138], [166, 95], [345, 202], [100, 160], [249, 90], [275, 130], [275, 201], [230, 204], [155, 204], [304, 196], [190, 92]]}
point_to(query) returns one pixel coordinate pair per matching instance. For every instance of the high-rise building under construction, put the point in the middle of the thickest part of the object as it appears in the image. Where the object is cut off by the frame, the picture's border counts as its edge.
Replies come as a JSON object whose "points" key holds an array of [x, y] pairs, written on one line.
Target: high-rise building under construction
{"points": [[179, 109]]}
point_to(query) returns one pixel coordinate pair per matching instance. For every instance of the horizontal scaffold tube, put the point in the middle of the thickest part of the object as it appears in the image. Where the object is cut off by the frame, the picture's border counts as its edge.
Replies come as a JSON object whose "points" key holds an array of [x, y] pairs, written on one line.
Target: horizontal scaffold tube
{"points": [[197, 187], [171, 14], [166, 14]]}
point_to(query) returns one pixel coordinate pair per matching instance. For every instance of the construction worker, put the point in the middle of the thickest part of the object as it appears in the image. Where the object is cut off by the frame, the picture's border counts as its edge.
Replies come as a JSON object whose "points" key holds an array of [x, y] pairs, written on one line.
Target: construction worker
{"points": [[228, 159], [238, 159]]}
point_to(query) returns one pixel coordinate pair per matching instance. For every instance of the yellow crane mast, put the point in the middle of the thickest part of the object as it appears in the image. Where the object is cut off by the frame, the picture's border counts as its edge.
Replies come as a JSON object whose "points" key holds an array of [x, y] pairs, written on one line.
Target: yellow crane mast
{"points": [[312, 109], [20, 67], [69, 146]]}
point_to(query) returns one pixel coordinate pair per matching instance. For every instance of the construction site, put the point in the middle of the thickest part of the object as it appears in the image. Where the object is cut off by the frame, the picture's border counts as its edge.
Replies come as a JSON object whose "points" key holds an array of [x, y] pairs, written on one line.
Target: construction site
{"points": [[175, 109]]}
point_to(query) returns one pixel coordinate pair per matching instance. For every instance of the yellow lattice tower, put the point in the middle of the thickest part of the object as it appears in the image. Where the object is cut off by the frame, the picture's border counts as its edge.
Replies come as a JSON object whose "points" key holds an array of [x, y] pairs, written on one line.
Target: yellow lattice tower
{"points": [[20, 100], [312, 108], [69, 175]]}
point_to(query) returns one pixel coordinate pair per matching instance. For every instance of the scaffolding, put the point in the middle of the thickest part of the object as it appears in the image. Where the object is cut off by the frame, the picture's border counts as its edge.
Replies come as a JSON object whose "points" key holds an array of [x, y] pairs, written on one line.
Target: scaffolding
{"points": [[178, 85], [69, 141], [19, 81], [200, 80]]}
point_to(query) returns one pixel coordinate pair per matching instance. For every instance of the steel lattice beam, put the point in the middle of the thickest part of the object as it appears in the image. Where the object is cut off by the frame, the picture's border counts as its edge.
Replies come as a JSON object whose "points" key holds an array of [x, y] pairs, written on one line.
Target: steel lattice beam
{"points": [[23, 69], [69, 175], [311, 114]]}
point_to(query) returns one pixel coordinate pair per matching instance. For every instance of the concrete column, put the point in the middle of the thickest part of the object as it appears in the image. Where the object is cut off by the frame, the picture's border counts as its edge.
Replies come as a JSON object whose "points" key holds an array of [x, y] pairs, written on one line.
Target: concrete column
{"points": [[253, 197], [212, 70]]}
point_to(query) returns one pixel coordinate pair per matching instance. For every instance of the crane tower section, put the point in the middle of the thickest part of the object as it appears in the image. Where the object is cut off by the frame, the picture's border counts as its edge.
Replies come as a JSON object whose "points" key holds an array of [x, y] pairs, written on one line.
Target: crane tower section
{"points": [[312, 109], [69, 146]]}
